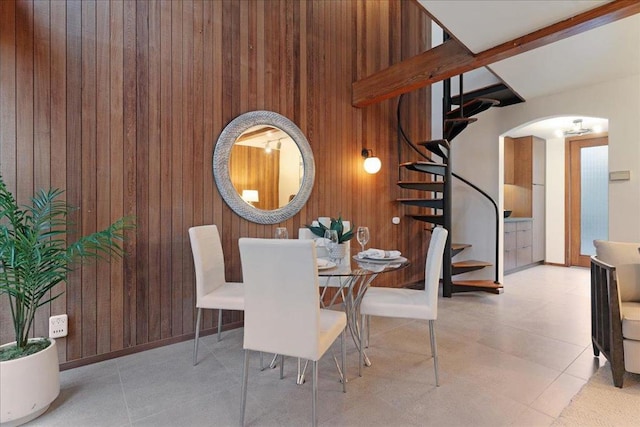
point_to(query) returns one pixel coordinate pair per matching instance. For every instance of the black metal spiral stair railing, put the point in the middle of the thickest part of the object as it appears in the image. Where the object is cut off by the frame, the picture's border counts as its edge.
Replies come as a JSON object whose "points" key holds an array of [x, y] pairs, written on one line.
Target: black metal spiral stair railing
{"points": [[440, 207]]}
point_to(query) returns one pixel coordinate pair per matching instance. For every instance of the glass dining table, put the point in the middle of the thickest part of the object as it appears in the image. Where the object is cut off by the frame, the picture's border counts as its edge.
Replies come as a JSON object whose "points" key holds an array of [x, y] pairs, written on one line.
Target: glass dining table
{"points": [[349, 281]]}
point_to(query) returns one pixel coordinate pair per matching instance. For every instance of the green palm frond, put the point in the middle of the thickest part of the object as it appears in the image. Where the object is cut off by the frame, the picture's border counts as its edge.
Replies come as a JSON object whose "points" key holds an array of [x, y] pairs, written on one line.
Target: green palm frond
{"points": [[35, 256]]}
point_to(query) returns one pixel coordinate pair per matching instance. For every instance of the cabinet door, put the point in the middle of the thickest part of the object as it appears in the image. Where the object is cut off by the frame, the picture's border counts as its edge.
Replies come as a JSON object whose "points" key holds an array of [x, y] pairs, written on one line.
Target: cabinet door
{"points": [[509, 260], [523, 256], [539, 159], [508, 161]]}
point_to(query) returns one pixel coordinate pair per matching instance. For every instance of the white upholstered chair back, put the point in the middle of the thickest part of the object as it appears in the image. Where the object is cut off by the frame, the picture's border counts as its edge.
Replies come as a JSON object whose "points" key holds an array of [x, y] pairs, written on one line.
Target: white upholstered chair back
{"points": [[433, 266], [208, 259], [282, 307]]}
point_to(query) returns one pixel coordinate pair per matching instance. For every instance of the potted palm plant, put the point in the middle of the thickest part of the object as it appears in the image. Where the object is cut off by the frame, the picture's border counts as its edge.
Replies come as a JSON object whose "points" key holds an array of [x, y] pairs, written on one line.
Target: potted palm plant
{"points": [[34, 259]]}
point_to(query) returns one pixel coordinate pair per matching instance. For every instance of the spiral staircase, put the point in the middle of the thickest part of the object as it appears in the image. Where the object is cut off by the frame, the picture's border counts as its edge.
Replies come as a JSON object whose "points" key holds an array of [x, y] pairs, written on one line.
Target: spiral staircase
{"points": [[433, 179]]}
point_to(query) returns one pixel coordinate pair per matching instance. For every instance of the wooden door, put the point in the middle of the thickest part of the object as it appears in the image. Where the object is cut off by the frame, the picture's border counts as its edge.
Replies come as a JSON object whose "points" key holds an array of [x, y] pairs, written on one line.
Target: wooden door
{"points": [[586, 220]]}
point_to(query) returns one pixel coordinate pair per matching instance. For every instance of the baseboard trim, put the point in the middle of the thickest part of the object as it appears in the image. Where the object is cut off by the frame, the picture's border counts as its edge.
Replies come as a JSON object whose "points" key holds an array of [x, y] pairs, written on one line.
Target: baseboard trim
{"points": [[143, 347]]}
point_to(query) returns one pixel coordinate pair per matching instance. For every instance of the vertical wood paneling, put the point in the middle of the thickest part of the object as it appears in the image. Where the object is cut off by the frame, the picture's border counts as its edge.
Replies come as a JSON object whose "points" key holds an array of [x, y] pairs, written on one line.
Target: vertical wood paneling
{"points": [[142, 170], [74, 167], [8, 162], [24, 100], [88, 174], [129, 107], [155, 156], [42, 120], [164, 239], [121, 102], [177, 236], [187, 165], [103, 188], [116, 162], [59, 131]]}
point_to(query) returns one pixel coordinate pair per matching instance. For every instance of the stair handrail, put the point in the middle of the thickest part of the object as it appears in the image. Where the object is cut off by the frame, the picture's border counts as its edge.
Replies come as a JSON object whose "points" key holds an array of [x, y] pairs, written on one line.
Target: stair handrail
{"points": [[495, 207]]}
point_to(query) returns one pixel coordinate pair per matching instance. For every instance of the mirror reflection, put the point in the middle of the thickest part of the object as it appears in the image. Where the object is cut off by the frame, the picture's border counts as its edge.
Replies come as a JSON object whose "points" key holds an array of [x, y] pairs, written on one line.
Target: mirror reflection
{"points": [[266, 167], [275, 185]]}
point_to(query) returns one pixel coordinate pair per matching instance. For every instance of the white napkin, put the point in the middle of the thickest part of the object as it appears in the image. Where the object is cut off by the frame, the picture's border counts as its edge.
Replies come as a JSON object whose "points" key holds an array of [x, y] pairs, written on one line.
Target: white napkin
{"points": [[379, 254], [322, 262]]}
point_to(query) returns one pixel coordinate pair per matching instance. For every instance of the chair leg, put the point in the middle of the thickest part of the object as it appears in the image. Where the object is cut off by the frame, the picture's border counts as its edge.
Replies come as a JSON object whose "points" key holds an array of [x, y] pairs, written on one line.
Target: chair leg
{"points": [[219, 324], [434, 349], [314, 380], [368, 328], [281, 366], [245, 377], [343, 350], [195, 345], [361, 354]]}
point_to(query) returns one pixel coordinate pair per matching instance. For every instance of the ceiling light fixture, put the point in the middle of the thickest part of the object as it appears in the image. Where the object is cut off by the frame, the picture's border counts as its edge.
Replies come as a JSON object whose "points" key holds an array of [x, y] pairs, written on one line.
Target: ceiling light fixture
{"points": [[577, 129], [372, 164]]}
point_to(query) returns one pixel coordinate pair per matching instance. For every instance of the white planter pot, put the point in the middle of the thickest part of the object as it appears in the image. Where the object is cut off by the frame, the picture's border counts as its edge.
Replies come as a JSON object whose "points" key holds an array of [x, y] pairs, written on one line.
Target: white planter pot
{"points": [[338, 252], [28, 386]]}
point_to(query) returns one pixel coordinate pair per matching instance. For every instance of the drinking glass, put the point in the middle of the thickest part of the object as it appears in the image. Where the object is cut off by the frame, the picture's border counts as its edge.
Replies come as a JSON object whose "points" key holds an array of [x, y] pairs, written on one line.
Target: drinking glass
{"points": [[363, 236], [331, 242], [281, 233]]}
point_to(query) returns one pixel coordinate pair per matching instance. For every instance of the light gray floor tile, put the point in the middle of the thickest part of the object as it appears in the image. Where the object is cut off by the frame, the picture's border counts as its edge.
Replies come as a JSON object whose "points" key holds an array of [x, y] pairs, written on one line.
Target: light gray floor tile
{"points": [[90, 402], [514, 359], [555, 398]]}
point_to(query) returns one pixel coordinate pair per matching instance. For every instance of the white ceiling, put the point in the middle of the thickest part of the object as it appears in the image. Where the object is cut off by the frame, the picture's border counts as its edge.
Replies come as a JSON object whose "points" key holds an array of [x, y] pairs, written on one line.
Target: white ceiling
{"points": [[604, 53]]}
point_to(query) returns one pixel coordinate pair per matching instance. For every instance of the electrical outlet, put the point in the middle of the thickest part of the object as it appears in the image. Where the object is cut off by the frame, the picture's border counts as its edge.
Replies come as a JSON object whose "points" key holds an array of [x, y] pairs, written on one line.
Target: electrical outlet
{"points": [[58, 326]]}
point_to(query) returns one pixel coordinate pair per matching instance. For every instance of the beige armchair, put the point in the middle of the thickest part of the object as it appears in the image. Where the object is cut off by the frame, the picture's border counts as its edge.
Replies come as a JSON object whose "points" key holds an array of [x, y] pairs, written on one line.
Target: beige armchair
{"points": [[615, 306]]}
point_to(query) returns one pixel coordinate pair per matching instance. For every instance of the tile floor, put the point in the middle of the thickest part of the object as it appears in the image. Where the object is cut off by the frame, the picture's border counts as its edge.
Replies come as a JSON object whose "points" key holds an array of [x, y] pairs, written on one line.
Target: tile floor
{"points": [[514, 359]]}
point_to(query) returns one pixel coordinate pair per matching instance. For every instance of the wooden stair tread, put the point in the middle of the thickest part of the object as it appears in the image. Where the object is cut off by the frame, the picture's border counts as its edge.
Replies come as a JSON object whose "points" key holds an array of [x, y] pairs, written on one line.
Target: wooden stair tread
{"points": [[457, 120], [471, 263], [422, 202], [437, 186], [426, 167], [434, 219], [478, 284], [460, 246], [407, 164], [473, 107], [434, 141]]}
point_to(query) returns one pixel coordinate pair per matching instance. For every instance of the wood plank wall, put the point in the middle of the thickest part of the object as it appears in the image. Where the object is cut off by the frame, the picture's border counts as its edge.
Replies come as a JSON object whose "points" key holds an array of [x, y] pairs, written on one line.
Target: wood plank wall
{"points": [[121, 103]]}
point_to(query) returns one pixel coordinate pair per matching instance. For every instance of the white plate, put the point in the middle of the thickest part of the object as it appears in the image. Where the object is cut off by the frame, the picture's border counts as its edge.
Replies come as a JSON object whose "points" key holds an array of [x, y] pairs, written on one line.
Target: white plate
{"points": [[327, 266], [380, 260]]}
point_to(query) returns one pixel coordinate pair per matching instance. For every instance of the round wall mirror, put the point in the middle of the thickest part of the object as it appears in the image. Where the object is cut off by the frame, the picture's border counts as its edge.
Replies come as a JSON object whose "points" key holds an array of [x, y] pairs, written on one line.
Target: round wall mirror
{"points": [[263, 167]]}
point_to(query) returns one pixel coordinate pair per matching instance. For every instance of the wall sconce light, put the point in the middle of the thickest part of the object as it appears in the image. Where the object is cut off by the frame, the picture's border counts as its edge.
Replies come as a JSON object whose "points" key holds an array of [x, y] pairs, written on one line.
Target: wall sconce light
{"points": [[250, 196], [372, 164]]}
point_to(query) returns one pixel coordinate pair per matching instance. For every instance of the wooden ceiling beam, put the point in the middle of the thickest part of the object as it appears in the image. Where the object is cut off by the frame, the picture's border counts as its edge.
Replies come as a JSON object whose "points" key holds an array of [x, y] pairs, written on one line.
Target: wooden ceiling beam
{"points": [[451, 58]]}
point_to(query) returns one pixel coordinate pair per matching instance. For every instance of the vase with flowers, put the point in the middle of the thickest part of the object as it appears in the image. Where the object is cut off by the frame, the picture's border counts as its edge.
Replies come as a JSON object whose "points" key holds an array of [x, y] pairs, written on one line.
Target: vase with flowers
{"points": [[333, 226]]}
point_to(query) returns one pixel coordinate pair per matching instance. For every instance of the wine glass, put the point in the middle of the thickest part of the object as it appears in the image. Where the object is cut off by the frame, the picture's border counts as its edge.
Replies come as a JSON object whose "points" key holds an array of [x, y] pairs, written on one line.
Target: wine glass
{"points": [[331, 242], [281, 233], [363, 236]]}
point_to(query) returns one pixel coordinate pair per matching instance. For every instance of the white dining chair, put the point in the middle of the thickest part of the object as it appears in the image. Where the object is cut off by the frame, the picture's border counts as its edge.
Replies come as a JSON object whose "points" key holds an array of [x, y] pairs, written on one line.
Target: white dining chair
{"points": [[410, 303], [212, 289], [282, 307]]}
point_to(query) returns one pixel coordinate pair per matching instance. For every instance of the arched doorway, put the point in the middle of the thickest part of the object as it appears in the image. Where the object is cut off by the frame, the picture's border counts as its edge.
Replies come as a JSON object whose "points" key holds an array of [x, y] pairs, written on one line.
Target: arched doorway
{"points": [[561, 235]]}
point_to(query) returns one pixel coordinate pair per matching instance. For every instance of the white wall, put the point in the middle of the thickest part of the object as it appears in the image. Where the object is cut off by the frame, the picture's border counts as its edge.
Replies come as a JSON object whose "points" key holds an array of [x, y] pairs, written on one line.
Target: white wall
{"points": [[477, 156], [554, 201]]}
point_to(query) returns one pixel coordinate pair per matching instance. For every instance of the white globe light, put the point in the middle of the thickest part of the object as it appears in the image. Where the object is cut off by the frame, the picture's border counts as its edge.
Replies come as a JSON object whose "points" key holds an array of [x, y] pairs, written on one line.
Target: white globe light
{"points": [[372, 165]]}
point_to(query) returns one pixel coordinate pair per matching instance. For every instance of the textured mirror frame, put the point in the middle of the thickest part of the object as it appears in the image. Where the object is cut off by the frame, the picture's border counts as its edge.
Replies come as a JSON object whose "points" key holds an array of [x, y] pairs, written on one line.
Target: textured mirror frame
{"points": [[222, 153]]}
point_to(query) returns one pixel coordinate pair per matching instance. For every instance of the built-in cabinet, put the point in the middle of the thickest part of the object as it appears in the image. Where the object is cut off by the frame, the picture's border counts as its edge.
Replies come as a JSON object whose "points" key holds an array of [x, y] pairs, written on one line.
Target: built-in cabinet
{"points": [[518, 243], [524, 195]]}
